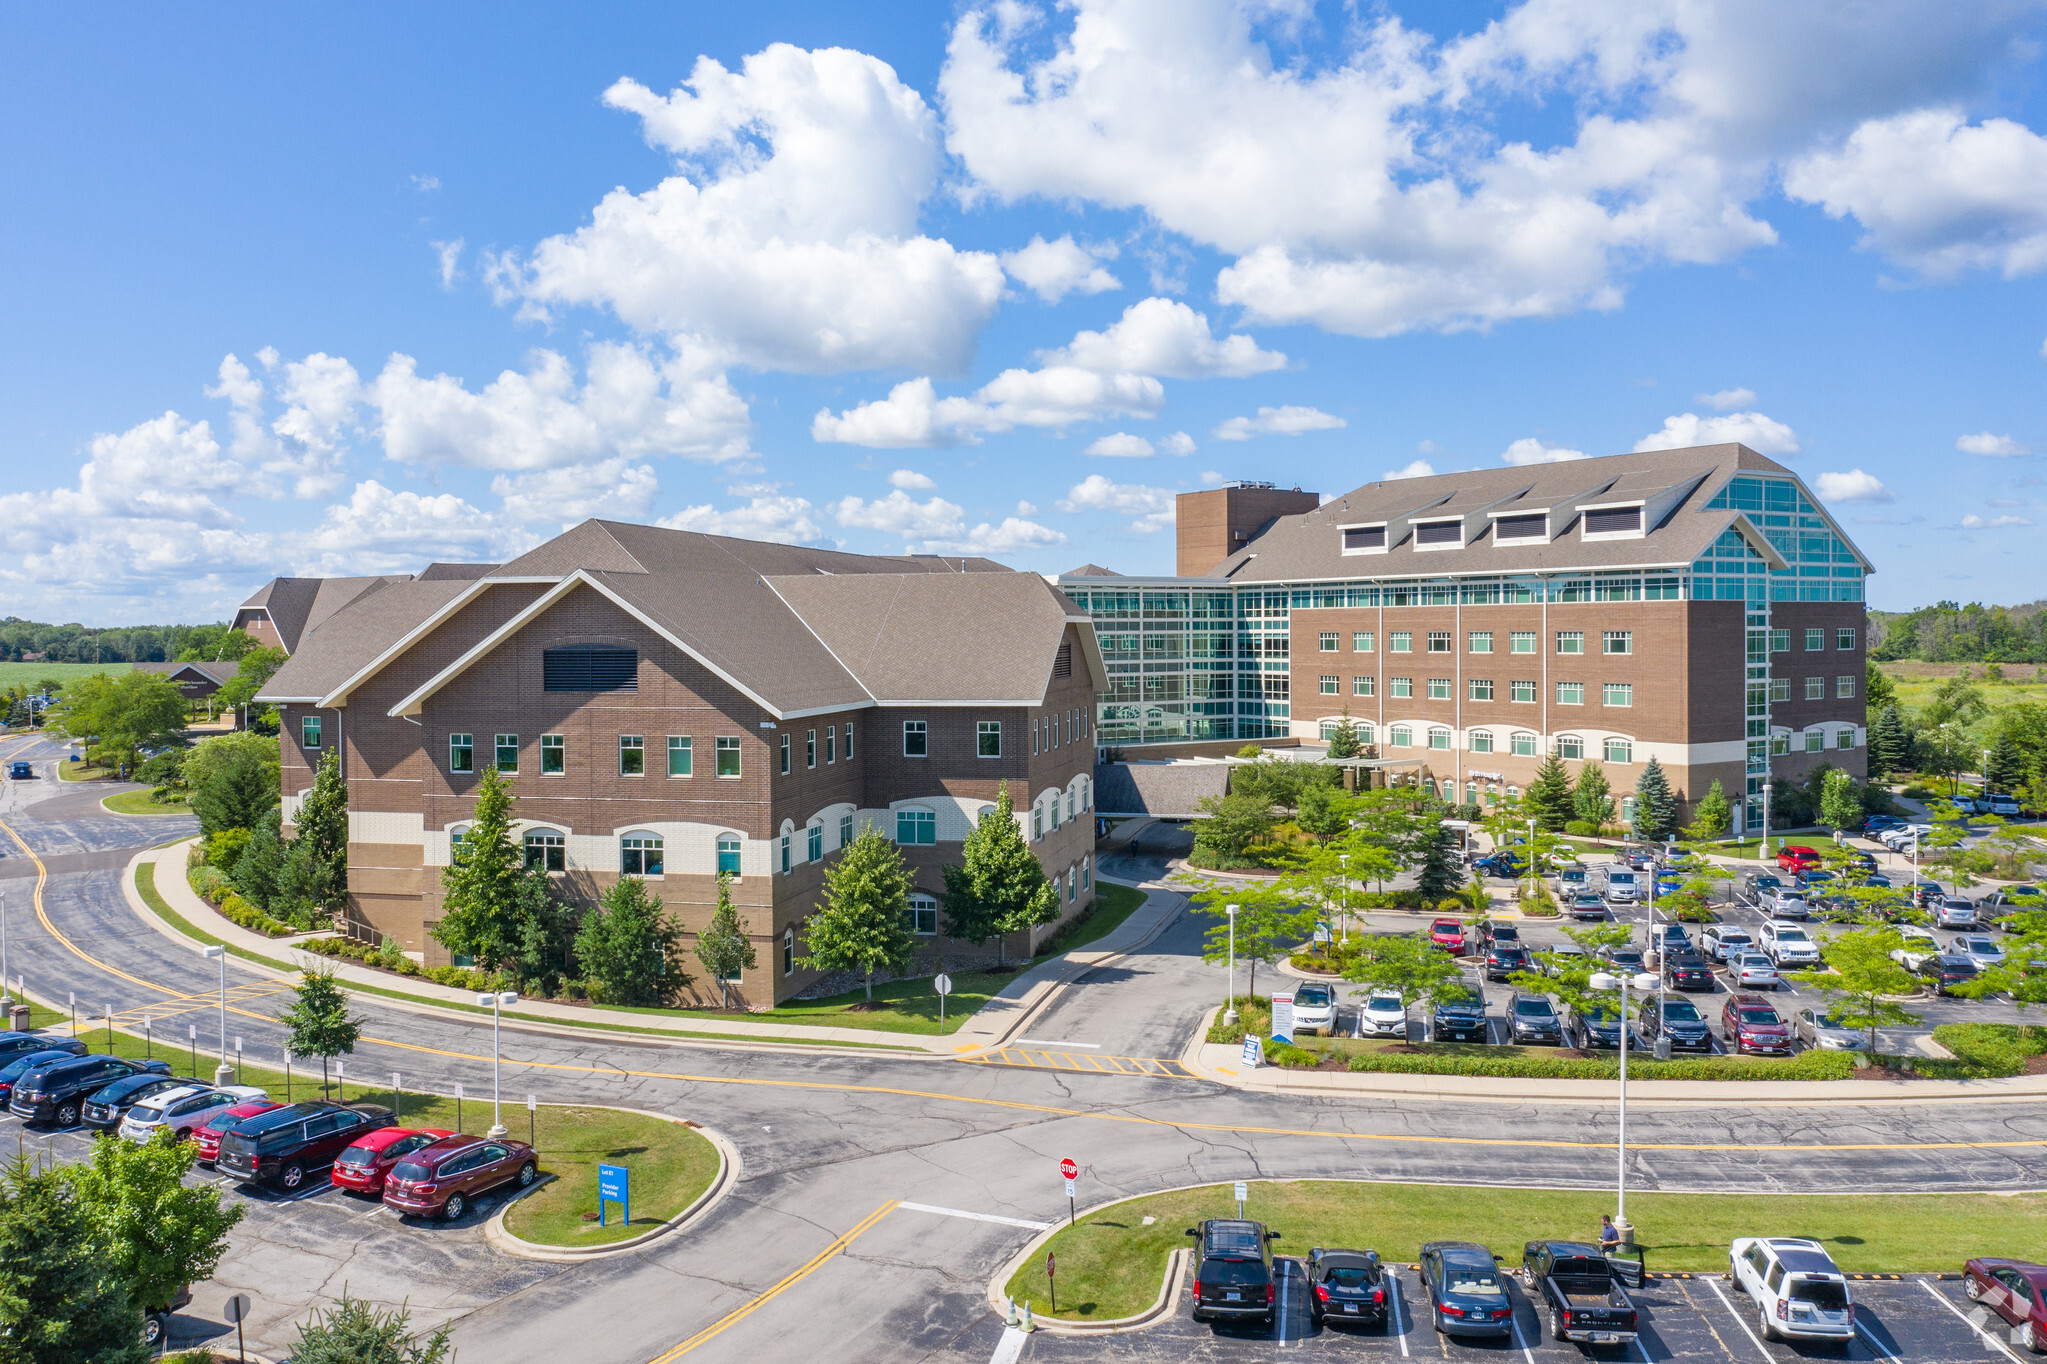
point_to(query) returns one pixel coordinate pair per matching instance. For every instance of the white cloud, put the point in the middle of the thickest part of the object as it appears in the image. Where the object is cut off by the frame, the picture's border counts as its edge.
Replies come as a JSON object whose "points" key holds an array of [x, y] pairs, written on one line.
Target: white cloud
{"points": [[1060, 396], [1975, 522], [1758, 432], [1153, 507], [379, 530], [1988, 443], [912, 481], [1937, 193], [787, 237], [1026, 509], [1121, 445], [613, 488], [1420, 468], [1013, 534], [768, 514], [1280, 421], [1052, 270], [1727, 398], [937, 526], [1529, 450], [450, 256], [1163, 336], [1179, 443], [1852, 486]]}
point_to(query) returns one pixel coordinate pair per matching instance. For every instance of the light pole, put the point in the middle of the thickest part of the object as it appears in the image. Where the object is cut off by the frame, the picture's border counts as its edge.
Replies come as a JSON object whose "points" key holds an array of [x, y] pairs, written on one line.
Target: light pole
{"points": [[222, 1074], [1986, 776], [1343, 860], [6, 1000], [1531, 859], [496, 1001], [1764, 851], [1602, 980], [1230, 1005]]}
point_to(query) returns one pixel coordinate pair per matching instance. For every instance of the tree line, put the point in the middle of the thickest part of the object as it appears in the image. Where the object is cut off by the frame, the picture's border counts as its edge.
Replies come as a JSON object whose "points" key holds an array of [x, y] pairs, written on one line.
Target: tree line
{"points": [[75, 643], [1948, 632], [1958, 731]]}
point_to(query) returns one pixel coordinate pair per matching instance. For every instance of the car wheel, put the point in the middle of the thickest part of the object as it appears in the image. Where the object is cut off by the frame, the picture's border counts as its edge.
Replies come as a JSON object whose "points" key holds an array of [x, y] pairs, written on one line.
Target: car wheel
{"points": [[452, 1210], [1973, 1289], [1556, 1324], [1763, 1320], [2029, 1336], [291, 1176], [155, 1326], [184, 1134], [67, 1115]]}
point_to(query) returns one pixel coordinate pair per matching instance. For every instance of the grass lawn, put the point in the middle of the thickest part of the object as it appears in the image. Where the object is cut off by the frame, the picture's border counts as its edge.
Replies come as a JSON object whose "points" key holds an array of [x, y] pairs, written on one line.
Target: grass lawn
{"points": [[142, 803], [1111, 1264], [28, 674], [83, 771], [671, 1165], [1917, 682]]}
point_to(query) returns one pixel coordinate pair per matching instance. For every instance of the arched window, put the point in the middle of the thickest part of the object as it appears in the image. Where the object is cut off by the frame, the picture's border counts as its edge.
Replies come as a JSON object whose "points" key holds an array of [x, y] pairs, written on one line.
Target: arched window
{"points": [[1439, 737], [782, 848], [1620, 751], [916, 826], [546, 848], [1481, 741], [1400, 736], [788, 951], [1570, 746], [1367, 732], [639, 855], [922, 916], [1627, 809], [457, 836], [728, 855], [1523, 744]]}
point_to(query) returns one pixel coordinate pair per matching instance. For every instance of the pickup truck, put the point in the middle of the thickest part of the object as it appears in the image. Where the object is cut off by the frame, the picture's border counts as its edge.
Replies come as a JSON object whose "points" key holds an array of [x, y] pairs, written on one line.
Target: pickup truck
{"points": [[1578, 1287]]}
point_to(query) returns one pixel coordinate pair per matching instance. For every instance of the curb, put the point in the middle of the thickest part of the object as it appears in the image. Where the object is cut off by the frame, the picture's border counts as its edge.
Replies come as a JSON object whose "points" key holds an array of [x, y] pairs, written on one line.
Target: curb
{"points": [[1162, 1306], [729, 1166]]}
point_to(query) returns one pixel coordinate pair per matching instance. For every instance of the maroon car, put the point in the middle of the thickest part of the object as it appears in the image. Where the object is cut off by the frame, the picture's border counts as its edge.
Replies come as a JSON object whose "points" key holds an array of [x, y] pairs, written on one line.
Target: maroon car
{"points": [[440, 1180], [363, 1166], [1753, 1025], [2014, 1289]]}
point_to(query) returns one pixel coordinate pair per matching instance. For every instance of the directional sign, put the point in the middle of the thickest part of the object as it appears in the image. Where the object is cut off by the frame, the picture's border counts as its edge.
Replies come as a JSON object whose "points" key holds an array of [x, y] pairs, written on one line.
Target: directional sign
{"points": [[1068, 1169], [1253, 1053], [1321, 932], [1283, 1019], [614, 1185]]}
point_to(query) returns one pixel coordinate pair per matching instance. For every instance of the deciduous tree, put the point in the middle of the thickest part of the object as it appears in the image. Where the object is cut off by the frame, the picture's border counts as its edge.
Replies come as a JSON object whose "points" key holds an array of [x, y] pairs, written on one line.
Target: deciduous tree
{"points": [[1271, 917], [999, 888], [1860, 978], [629, 948], [723, 946], [1406, 964], [117, 716], [160, 1233], [1711, 816], [1592, 795], [482, 898], [318, 1019], [859, 924]]}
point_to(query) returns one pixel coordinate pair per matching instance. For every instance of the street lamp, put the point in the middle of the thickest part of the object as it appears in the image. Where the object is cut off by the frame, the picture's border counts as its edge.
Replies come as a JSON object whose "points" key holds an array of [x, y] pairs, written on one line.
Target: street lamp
{"points": [[1603, 980], [1986, 774], [1230, 1005], [1343, 860], [1764, 851], [221, 1075], [496, 1002], [6, 1000], [1531, 858]]}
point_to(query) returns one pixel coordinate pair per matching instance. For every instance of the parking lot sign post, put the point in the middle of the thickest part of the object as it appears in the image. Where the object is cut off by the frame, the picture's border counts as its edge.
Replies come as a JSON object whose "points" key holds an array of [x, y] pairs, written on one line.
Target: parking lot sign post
{"points": [[192, 1033], [238, 1060], [236, 1311], [1052, 1268], [1069, 1172], [944, 987], [532, 1112], [1242, 1191], [614, 1185], [148, 1038], [396, 1110], [458, 1112]]}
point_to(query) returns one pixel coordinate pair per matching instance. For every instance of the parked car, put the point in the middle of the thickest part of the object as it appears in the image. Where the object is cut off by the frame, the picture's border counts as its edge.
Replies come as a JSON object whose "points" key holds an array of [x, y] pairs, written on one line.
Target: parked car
{"points": [[15, 1045], [185, 1110], [442, 1179], [1955, 912], [1815, 880], [1980, 948], [1637, 859], [1720, 940], [1786, 903], [1504, 865], [1754, 883], [1787, 945], [56, 1092], [1532, 1020], [1576, 1286], [1752, 971], [1676, 1018], [25, 1062], [1448, 934], [1588, 904], [1796, 857], [1346, 1286], [280, 1148], [2004, 807], [2003, 906], [1493, 932], [1622, 959], [1821, 1031], [1752, 1025], [1571, 880], [208, 1137], [2014, 1289], [1687, 971], [1926, 894], [1948, 970], [364, 1164], [1232, 1272], [1459, 1018], [1467, 1295], [105, 1108], [1383, 1016], [1315, 1008], [1504, 959], [1621, 885], [1559, 958], [1595, 1029], [1799, 1292], [1859, 860]]}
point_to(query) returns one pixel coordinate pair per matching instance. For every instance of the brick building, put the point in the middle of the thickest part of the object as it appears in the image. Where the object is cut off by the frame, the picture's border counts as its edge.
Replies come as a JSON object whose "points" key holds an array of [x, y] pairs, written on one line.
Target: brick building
{"points": [[671, 705], [1699, 606]]}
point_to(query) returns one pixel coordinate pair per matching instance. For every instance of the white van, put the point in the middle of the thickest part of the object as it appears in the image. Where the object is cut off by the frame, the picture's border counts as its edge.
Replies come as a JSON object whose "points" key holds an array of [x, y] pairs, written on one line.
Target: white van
{"points": [[1799, 1292], [1621, 884]]}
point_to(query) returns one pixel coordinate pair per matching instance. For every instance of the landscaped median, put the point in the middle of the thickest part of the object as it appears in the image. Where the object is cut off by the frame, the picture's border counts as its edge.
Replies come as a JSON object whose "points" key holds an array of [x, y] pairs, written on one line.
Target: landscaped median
{"points": [[1112, 1261]]}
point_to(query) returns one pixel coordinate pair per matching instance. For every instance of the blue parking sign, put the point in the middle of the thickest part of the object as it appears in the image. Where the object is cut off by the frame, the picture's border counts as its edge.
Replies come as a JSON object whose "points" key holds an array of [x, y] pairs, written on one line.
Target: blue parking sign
{"points": [[614, 1185]]}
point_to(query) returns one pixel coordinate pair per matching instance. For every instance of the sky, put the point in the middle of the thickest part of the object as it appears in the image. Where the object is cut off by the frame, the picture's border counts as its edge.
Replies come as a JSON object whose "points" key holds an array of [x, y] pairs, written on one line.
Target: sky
{"points": [[348, 290]]}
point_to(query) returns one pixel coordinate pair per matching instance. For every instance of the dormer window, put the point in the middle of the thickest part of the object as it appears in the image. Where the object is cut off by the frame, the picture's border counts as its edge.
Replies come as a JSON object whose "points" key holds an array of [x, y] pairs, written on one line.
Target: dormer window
{"points": [[1439, 534], [1364, 539], [1514, 528], [1613, 521]]}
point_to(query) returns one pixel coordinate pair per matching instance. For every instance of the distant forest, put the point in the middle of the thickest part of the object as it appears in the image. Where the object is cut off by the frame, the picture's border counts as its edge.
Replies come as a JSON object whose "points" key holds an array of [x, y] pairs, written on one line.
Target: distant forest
{"points": [[1947, 632], [27, 640]]}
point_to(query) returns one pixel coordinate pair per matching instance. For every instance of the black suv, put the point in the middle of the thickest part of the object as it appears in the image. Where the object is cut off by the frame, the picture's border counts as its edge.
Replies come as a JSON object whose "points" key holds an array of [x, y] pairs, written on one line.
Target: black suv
{"points": [[1233, 1277], [1503, 959], [278, 1148], [1459, 1018], [1533, 1019], [14, 1045], [1345, 1286], [1677, 1019], [107, 1106], [22, 1062], [55, 1093]]}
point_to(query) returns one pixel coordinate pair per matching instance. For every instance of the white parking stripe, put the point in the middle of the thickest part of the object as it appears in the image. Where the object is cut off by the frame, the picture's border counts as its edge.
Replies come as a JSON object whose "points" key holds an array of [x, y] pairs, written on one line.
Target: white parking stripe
{"points": [[1739, 1322], [1009, 1349], [1988, 1339], [1514, 1334], [975, 1216], [1398, 1328], [1874, 1343]]}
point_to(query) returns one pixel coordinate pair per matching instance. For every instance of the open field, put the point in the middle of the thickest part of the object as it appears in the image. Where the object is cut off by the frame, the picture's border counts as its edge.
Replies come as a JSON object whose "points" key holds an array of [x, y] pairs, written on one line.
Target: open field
{"points": [[1916, 683], [19, 674]]}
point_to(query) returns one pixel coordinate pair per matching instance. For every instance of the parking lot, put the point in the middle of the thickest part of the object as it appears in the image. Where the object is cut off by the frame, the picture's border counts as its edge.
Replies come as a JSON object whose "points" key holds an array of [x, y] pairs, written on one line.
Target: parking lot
{"points": [[1700, 1318]]}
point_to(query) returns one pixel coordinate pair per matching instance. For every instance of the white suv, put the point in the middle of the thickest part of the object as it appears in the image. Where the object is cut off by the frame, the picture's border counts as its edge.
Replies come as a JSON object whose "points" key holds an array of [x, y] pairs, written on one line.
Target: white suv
{"points": [[1787, 944], [1315, 1008], [184, 1110], [1799, 1293], [1384, 1015]]}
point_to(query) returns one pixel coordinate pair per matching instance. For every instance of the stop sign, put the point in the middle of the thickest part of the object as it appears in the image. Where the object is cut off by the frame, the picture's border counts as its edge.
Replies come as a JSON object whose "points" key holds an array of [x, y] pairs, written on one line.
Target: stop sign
{"points": [[1068, 1168]]}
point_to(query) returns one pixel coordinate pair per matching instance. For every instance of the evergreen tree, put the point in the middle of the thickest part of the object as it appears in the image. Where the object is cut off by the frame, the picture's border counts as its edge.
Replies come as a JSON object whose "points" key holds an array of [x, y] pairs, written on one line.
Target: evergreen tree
{"points": [[1890, 747], [354, 1332], [61, 1296], [160, 1233], [1878, 690], [723, 946], [322, 827], [2007, 767], [482, 899], [235, 794], [1655, 805], [1592, 795], [860, 924], [547, 934], [1548, 798], [1438, 877], [319, 1020], [1001, 887], [256, 870], [1711, 816], [629, 949], [1343, 739]]}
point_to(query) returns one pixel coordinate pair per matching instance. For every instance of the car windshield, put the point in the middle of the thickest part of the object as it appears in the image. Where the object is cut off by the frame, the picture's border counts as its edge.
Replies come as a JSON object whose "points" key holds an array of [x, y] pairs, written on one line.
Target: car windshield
{"points": [[149, 1110], [1448, 926], [1313, 996], [1347, 1276], [1827, 1295], [407, 1170], [1602, 1016], [1764, 1016], [1679, 1011], [1481, 1283], [1533, 1008], [1232, 1272], [1792, 935], [1755, 959], [357, 1154], [223, 1122], [1381, 1003], [1825, 1021]]}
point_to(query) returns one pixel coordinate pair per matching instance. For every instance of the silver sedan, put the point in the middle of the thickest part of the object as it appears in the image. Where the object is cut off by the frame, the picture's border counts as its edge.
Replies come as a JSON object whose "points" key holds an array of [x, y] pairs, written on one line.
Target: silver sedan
{"points": [[1751, 971], [1820, 1031]]}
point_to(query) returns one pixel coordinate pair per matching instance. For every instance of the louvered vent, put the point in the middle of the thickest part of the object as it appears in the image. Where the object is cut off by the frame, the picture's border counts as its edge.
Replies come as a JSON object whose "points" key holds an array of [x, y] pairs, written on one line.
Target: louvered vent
{"points": [[590, 667], [1439, 533], [1062, 662], [1364, 537], [1610, 519], [1521, 528]]}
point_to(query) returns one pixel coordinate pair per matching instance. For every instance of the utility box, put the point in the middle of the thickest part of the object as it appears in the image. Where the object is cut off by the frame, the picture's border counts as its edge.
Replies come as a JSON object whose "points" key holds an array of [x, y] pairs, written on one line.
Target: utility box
{"points": [[17, 1018]]}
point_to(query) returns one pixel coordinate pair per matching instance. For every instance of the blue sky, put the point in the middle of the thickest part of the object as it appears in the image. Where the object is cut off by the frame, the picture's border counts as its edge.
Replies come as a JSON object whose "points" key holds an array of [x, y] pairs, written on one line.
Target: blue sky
{"points": [[770, 270]]}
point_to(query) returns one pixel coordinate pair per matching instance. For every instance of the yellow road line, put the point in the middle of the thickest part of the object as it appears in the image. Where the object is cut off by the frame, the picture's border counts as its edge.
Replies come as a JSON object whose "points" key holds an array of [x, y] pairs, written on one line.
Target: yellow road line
{"points": [[789, 1281]]}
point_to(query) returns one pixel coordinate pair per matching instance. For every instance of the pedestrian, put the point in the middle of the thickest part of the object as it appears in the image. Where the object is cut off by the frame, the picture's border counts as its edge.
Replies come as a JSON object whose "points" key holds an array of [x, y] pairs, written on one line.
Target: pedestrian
{"points": [[1609, 1234]]}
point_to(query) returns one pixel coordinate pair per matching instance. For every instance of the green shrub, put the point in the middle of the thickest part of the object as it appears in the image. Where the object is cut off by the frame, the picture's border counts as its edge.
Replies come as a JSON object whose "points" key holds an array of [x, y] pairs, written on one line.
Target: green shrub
{"points": [[236, 910], [1985, 1050], [1581, 828], [1291, 1058], [225, 848], [1812, 1065], [1253, 1012], [206, 882]]}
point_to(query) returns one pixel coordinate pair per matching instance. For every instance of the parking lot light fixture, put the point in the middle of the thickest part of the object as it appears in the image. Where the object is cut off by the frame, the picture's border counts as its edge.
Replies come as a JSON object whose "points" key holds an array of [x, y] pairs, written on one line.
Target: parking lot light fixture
{"points": [[1230, 1005], [496, 1001], [1642, 982], [224, 1071], [1343, 904]]}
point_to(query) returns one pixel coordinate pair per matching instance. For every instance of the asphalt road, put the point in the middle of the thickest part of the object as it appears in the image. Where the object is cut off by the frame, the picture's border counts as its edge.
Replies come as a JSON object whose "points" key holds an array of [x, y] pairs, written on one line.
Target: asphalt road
{"points": [[834, 1145]]}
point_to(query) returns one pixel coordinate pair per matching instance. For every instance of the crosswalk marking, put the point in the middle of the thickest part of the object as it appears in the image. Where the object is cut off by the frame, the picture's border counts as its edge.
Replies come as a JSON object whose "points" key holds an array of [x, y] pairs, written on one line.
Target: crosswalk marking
{"points": [[1039, 1058]]}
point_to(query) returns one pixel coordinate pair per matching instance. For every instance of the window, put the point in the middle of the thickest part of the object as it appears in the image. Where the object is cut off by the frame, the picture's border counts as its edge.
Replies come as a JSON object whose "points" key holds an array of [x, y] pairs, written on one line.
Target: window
{"points": [[921, 917], [725, 756], [831, 744], [1439, 689], [1570, 693], [590, 667], [1617, 693], [679, 755], [1328, 684], [1619, 641], [849, 741], [1780, 744], [728, 855], [309, 731], [507, 752], [1087, 873], [788, 951], [639, 855], [916, 739], [1620, 751], [1780, 641], [810, 748], [1439, 641], [784, 746], [1439, 737], [1815, 688], [1844, 738], [632, 755], [916, 826], [461, 753], [1815, 639], [1361, 641], [1481, 741], [1521, 691], [845, 830], [1570, 746], [1815, 741], [1521, 641], [1780, 689], [1479, 688], [1523, 746], [1363, 538], [1362, 686], [1844, 638], [1570, 641], [1400, 642], [1326, 642], [988, 737], [1628, 810], [1400, 686], [814, 836], [782, 851], [1481, 641], [1844, 687], [1037, 824], [547, 850], [554, 755], [1400, 736]]}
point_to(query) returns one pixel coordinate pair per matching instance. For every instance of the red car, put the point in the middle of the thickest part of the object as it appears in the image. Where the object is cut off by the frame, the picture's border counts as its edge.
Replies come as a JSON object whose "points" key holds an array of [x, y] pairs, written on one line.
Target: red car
{"points": [[2014, 1289], [1796, 857], [441, 1179], [1752, 1023], [1448, 934], [362, 1166], [209, 1135]]}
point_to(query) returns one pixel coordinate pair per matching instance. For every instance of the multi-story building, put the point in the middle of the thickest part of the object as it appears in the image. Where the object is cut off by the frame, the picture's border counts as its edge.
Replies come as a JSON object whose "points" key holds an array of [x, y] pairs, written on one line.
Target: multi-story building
{"points": [[1699, 606], [674, 706]]}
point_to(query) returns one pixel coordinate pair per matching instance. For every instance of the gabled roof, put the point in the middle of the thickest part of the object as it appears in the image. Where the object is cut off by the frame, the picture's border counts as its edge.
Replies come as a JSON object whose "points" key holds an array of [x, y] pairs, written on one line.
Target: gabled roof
{"points": [[217, 671], [365, 629], [298, 605]]}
